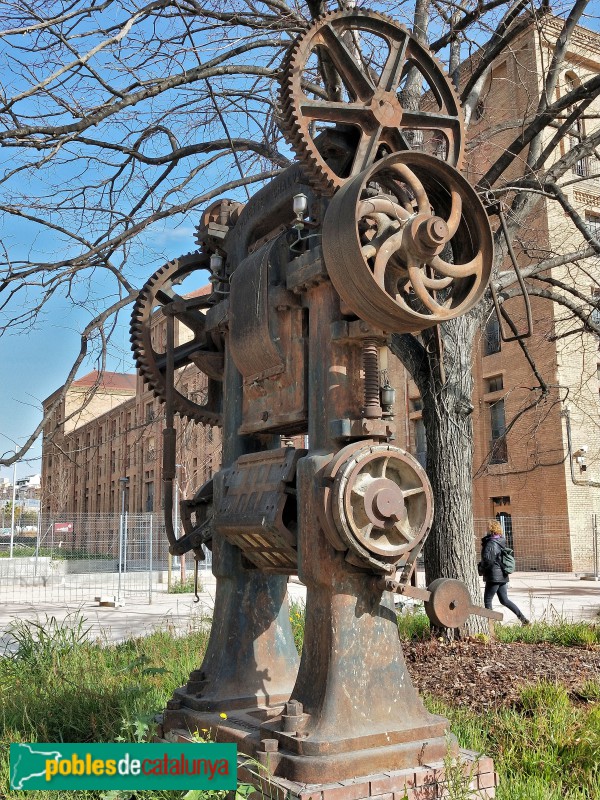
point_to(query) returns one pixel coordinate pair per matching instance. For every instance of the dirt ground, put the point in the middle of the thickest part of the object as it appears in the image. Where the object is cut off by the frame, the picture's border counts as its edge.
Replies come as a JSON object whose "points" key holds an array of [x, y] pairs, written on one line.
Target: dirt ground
{"points": [[483, 676]]}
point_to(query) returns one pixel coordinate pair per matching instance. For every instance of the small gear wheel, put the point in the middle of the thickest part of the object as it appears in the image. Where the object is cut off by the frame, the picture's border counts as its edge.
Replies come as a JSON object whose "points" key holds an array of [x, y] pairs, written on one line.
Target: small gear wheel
{"points": [[355, 87], [197, 348]]}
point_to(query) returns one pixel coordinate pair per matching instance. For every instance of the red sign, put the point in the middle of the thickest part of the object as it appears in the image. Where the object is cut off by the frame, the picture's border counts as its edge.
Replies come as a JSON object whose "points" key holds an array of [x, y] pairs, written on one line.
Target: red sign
{"points": [[63, 527]]}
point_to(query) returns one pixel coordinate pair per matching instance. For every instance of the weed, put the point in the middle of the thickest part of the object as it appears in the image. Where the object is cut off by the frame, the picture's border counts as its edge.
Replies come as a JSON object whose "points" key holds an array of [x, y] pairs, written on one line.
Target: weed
{"points": [[297, 620], [184, 587], [413, 624], [558, 631], [459, 777], [41, 645]]}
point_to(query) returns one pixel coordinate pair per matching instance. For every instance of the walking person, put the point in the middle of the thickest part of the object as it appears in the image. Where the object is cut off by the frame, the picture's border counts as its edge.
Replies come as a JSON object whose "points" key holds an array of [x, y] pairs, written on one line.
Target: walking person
{"points": [[493, 571]]}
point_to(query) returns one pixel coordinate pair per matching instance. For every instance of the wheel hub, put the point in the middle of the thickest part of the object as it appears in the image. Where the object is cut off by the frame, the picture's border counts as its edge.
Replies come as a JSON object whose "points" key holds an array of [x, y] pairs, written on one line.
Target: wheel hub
{"points": [[386, 109], [384, 503]]}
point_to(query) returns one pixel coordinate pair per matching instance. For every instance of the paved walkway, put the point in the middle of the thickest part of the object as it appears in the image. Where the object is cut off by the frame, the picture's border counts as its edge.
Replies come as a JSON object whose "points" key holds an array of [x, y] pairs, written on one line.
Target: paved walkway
{"points": [[547, 596]]}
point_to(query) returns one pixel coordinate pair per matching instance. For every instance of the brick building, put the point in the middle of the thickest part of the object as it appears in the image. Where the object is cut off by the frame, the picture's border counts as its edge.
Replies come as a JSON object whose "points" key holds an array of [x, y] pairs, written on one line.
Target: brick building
{"points": [[548, 466], [117, 434], [542, 477]]}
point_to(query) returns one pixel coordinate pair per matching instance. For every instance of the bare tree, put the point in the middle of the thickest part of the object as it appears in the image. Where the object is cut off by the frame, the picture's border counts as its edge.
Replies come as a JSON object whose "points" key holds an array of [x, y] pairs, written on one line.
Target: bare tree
{"points": [[526, 174], [117, 117]]}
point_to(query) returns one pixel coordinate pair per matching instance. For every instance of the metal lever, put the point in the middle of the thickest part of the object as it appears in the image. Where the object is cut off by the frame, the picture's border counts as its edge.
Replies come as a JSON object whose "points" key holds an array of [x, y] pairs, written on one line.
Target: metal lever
{"points": [[495, 207], [447, 601]]}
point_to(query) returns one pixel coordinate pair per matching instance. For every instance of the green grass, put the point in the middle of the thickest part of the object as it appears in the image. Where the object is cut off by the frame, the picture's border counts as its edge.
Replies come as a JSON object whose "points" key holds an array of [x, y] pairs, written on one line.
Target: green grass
{"points": [[414, 624], [545, 747], [57, 553], [560, 632], [61, 687], [177, 587], [297, 616]]}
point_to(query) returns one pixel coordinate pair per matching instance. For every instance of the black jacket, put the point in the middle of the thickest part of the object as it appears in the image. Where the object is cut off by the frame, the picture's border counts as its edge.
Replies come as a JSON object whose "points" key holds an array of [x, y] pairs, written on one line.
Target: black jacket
{"points": [[491, 551]]}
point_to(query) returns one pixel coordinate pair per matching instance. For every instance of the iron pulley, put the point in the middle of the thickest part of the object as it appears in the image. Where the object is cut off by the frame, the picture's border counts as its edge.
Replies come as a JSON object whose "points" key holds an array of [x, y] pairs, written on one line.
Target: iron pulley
{"points": [[377, 505], [407, 243]]}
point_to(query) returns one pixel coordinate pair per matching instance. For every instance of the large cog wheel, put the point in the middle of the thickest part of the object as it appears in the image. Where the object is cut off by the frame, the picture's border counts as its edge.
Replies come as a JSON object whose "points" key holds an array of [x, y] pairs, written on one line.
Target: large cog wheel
{"points": [[150, 355], [367, 111]]}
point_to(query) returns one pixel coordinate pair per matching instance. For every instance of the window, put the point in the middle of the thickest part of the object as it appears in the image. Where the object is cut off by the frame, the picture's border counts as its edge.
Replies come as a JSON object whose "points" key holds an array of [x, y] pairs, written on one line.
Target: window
{"points": [[593, 223], [595, 312], [494, 384], [582, 168], [505, 519], [491, 336], [420, 440], [151, 449], [149, 504], [416, 404], [149, 412], [498, 449]]}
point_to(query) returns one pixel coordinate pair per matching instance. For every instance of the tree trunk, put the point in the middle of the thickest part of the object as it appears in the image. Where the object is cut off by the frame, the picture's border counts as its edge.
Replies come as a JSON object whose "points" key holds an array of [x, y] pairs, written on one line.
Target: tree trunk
{"points": [[450, 550]]}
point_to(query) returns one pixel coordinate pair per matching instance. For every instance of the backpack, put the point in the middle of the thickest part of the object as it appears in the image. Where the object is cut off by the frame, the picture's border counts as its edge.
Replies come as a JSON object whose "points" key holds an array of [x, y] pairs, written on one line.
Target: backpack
{"points": [[507, 560]]}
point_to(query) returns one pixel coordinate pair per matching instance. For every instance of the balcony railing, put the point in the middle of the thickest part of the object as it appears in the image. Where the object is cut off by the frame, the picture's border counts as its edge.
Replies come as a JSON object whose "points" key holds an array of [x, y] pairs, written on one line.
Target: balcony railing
{"points": [[586, 167]]}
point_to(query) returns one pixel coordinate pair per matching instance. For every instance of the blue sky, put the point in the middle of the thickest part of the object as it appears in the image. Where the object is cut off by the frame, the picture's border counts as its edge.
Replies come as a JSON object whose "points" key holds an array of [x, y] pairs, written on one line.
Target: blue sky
{"points": [[35, 363]]}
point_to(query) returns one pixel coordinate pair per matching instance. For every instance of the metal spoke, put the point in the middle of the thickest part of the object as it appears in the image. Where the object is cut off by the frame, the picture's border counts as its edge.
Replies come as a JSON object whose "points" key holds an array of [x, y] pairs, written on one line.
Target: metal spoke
{"points": [[428, 120], [366, 150], [413, 492], [401, 528], [326, 111], [392, 71], [366, 531], [386, 251], [416, 279], [351, 73], [457, 270]]}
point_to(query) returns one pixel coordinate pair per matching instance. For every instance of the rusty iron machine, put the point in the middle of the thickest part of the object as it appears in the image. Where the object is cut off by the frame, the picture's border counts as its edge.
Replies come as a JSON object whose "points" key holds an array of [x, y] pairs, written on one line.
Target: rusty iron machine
{"points": [[372, 231]]}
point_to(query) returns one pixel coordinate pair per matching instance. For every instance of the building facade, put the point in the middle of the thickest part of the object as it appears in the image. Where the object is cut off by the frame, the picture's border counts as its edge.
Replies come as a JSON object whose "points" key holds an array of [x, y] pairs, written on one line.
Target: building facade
{"points": [[536, 455]]}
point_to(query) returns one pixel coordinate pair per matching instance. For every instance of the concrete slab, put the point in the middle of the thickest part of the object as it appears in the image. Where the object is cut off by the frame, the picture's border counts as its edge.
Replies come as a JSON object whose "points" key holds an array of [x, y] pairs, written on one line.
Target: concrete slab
{"points": [[541, 596]]}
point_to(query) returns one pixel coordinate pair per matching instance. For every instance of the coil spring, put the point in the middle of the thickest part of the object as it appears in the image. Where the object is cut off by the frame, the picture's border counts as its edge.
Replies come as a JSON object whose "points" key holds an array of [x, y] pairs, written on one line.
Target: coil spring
{"points": [[370, 358]]}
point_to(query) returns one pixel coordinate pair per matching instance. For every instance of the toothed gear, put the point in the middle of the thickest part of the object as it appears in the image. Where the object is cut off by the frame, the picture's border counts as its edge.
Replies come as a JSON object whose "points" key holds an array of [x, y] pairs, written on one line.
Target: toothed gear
{"points": [[150, 363], [372, 105]]}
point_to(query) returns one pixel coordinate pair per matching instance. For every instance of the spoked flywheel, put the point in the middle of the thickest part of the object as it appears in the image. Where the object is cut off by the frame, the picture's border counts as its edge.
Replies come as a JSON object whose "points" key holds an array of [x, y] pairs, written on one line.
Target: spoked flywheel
{"points": [[407, 243]]}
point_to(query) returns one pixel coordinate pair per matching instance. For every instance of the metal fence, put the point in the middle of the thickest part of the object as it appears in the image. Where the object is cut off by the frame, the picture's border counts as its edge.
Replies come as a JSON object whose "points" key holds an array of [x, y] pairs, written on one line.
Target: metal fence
{"points": [[551, 544], [76, 558], [80, 557]]}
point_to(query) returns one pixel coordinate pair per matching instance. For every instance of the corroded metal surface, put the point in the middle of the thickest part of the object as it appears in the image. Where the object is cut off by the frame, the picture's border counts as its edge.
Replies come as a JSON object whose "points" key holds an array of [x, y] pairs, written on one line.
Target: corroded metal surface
{"points": [[151, 356], [305, 293], [377, 503], [408, 243], [368, 60], [257, 510]]}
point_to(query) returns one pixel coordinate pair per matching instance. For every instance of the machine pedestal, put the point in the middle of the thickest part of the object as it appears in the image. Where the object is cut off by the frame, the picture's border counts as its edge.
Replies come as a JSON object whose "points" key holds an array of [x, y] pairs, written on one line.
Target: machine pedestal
{"points": [[425, 780]]}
